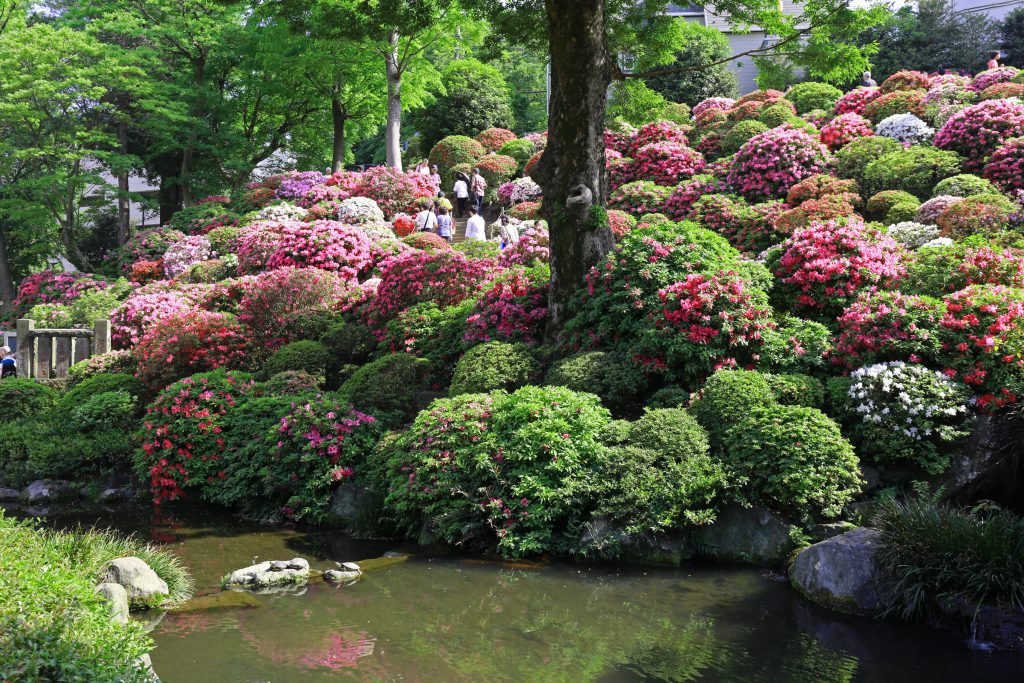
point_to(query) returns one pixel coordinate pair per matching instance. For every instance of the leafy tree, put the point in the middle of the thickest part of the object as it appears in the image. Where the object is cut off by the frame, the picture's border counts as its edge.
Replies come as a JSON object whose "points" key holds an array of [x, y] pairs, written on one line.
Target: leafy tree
{"points": [[701, 46], [476, 98], [525, 71], [1011, 37], [633, 102]]}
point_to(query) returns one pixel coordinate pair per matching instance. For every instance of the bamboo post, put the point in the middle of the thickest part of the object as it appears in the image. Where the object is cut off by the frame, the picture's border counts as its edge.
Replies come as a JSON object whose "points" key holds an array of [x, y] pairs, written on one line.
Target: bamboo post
{"points": [[24, 353], [100, 337]]}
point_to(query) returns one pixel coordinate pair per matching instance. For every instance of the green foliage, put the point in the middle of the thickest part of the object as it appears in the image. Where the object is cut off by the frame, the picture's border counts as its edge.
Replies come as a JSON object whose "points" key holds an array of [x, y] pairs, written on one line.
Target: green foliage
{"points": [[291, 383], [634, 103], [777, 114], [728, 396], [853, 159], [669, 397], [937, 552], [793, 460], [673, 432], [796, 345], [478, 249], [434, 333], [109, 410], [386, 387], [310, 356], [700, 46], [26, 398], [348, 344], [964, 185], [810, 95], [892, 206], [476, 98], [114, 362], [738, 136], [619, 382], [98, 384], [797, 390], [455, 153], [492, 366], [519, 149], [915, 170]]}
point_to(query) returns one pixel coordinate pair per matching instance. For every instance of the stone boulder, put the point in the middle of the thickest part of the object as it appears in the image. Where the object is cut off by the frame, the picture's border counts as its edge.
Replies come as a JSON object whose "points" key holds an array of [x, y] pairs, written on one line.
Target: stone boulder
{"points": [[117, 596], [346, 571], [269, 573], [47, 491], [746, 535], [840, 573], [144, 587], [350, 503], [9, 495]]}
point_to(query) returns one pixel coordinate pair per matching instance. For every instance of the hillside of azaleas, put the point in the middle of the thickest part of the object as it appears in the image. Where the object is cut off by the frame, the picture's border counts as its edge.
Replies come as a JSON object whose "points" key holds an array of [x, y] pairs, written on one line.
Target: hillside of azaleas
{"points": [[805, 286]]}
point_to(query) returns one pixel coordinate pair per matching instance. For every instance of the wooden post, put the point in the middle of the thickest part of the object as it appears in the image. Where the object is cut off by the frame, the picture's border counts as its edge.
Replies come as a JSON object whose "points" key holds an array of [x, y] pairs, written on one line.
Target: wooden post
{"points": [[101, 337], [44, 352], [63, 357], [24, 352]]}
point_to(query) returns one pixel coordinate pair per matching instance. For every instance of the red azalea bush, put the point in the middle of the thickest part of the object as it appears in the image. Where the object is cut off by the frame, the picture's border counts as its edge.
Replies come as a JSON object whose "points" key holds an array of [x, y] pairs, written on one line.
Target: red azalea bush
{"points": [[667, 163], [1001, 91], [759, 232], [679, 205], [658, 131], [267, 301], [427, 241], [719, 103], [620, 172], [983, 214], [497, 169], [854, 101], [898, 102], [403, 225], [531, 165], [979, 130], [256, 244], [639, 197], [619, 140], [1005, 167], [906, 80], [148, 245], [886, 326], [620, 223], [532, 248], [187, 343], [525, 211], [987, 79], [182, 443], [770, 95], [773, 161], [444, 277], [328, 245], [822, 268], [144, 272], [514, 307], [819, 186], [824, 208], [493, 138], [395, 192], [845, 128]]}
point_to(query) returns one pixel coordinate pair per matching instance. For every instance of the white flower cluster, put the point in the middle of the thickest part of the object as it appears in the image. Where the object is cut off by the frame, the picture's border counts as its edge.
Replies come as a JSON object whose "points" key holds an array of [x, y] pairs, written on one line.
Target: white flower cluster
{"points": [[378, 231], [281, 212], [908, 399], [359, 210], [912, 234], [905, 128], [938, 242]]}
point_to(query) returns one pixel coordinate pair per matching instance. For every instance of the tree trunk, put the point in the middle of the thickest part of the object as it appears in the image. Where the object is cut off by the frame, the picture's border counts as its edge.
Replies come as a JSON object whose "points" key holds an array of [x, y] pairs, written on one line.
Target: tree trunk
{"points": [[123, 205], [170, 199], [198, 109], [572, 170], [7, 290], [393, 130], [67, 232], [338, 120]]}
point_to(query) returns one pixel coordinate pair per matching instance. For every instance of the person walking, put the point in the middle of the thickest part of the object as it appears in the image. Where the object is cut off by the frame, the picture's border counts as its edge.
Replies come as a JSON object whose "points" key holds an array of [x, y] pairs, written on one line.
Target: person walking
{"points": [[426, 220], [422, 169], [8, 365], [444, 224], [476, 228], [461, 191], [509, 232], [435, 177], [443, 202], [478, 187], [866, 81], [993, 60]]}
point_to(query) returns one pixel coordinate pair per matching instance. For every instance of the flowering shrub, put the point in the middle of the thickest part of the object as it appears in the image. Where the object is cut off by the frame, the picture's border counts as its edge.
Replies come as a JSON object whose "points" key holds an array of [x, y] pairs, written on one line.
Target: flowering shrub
{"points": [[131, 320], [427, 241], [531, 249], [518, 191], [256, 243], [983, 214], [979, 130], [854, 101], [620, 222], [828, 207], [817, 117], [443, 277], [772, 162], [620, 172], [531, 165], [734, 138], [393, 191], [886, 325], [256, 198], [964, 185], [819, 186], [453, 150], [854, 157], [493, 138], [986, 79], [1001, 91], [267, 301], [519, 149], [904, 412], [905, 128], [514, 307], [720, 213], [822, 268], [929, 212], [525, 211], [295, 185], [906, 80], [281, 212], [144, 272], [186, 343], [327, 245], [360, 210], [182, 443], [403, 225], [651, 133], [939, 271], [898, 102], [667, 163], [679, 204], [181, 255], [912, 235], [1005, 167], [719, 103], [51, 287], [638, 198], [845, 128], [148, 245], [497, 170]]}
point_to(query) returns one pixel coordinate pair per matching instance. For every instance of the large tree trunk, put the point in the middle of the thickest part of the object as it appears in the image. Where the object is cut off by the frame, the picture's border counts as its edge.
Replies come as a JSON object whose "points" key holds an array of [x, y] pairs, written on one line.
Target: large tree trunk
{"points": [[169, 198], [393, 130], [123, 204], [68, 238], [198, 110], [338, 119], [572, 170], [7, 290]]}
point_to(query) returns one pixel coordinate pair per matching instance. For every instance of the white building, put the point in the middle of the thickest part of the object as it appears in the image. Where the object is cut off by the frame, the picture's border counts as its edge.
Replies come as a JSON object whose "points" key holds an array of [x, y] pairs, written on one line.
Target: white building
{"points": [[996, 10]]}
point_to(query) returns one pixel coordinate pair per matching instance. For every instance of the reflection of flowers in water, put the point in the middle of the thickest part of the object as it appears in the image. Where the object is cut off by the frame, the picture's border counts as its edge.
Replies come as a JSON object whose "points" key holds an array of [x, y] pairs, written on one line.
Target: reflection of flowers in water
{"points": [[162, 526], [185, 624], [341, 653]]}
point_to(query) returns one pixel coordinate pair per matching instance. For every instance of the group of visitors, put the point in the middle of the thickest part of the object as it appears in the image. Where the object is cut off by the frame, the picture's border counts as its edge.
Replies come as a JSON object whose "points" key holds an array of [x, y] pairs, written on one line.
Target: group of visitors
{"points": [[469, 192], [867, 81]]}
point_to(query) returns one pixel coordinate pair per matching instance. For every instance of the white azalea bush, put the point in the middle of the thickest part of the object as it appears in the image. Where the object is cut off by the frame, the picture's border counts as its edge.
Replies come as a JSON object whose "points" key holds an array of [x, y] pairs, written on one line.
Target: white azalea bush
{"points": [[913, 235], [907, 413], [359, 210], [938, 242], [905, 128], [281, 212]]}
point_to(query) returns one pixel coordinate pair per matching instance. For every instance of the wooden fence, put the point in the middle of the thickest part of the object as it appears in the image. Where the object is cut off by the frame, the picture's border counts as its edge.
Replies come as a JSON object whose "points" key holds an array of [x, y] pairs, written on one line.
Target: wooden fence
{"points": [[47, 354]]}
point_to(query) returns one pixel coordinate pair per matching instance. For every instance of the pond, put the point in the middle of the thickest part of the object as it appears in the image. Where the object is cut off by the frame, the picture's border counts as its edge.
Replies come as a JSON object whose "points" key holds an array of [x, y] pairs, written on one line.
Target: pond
{"points": [[468, 619]]}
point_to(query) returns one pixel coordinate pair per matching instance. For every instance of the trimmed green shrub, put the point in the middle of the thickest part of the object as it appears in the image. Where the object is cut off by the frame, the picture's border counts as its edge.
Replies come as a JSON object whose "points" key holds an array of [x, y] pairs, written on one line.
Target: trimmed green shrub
{"points": [[310, 356], [964, 185], [348, 345], [26, 398], [478, 249], [98, 384], [619, 382], [777, 114], [311, 324], [109, 410], [728, 396], [853, 158], [669, 397], [387, 387], [670, 431], [434, 333], [892, 206], [738, 136], [292, 382], [793, 460], [797, 390], [796, 345], [454, 151], [519, 149], [915, 170], [810, 95], [119, 362], [492, 366]]}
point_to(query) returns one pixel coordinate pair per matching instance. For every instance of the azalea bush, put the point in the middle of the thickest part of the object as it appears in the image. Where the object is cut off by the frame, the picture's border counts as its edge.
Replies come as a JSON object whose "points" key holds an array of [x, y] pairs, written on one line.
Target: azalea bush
{"points": [[905, 128], [810, 95], [640, 197], [845, 128], [184, 344], [915, 170], [854, 157], [854, 101], [132, 319], [531, 249], [182, 255], [493, 139], [906, 80], [941, 270], [52, 287], [986, 79], [912, 235], [929, 212], [513, 307], [979, 130], [360, 210], [667, 163], [267, 302], [518, 191], [896, 102], [1005, 167], [887, 326], [679, 204], [772, 162], [983, 214]]}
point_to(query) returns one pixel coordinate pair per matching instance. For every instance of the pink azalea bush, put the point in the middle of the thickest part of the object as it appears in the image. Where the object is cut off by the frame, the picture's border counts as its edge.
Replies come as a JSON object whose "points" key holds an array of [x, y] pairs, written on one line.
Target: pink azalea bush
{"points": [[720, 103], [986, 79], [531, 249], [639, 197], [822, 268], [130, 321], [854, 101], [658, 131], [514, 307], [187, 343], [979, 130], [620, 222], [679, 204], [773, 161], [929, 212], [845, 128], [51, 287], [185, 253], [1005, 167], [518, 191], [148, 245], [906, 80], [328, 245], [267, 301], [883, 326], [667, 163]]}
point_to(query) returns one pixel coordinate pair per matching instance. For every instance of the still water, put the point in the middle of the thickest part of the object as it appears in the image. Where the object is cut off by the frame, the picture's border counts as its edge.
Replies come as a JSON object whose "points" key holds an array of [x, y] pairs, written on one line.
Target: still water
{"points": [[466, 619]]}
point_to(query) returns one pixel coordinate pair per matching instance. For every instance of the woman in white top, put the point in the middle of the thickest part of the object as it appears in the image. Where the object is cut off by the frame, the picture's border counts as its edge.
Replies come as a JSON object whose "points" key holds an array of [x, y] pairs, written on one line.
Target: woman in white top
{"points": [[461, 191], [476, 228]]}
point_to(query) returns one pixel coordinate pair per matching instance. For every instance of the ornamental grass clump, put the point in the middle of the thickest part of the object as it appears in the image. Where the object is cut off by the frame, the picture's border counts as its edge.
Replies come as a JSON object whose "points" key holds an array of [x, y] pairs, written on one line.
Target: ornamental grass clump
{"points": [[979, 130], [772, 162]]}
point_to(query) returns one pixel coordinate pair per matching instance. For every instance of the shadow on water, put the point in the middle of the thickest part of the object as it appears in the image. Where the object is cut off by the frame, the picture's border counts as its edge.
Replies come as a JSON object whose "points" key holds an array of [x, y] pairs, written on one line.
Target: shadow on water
{"points": [[465, 619]]}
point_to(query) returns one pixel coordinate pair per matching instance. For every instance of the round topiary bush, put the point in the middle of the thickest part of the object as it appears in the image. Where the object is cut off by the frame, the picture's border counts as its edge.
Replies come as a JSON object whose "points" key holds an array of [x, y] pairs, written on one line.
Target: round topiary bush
{"points": [[906, 80], [640, 197], [679, 204], [794, 460], [979, 130], [519, 149], [618, 382], [854, 157], [844, 129], [454, 150], [427, 241], [777, 114], [738, 136], [497, 169], [772, 162], [670, 431], [888, 206], [99, 384], [493, 139], [27, 398], [667, 163], [810, 95], [309, 356], [964, 185], [386, 387], [292, 383], [728, 396], [899, 102], [915, 170], [492, 366], [797, 390], [669, 397]]}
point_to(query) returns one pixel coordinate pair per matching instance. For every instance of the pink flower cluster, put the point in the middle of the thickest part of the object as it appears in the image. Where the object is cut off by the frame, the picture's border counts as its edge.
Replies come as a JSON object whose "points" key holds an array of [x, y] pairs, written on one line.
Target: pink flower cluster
{"points": [[667, 163], [518, 191], [268, 300], [130, 321], [991, 77], [514, 308], [773, 161], [532, 248], [658, 131], [51, 287], [854, 101], [720, 103], [884, 326], [185, 253], [639, 197], [988, 266], [1005, 167], [979, 130], [328, 245], [187, 343], [845, 128], [620, 222], [906, 80], [679, 205], [493, 138], [929, 212], [827, 264]]}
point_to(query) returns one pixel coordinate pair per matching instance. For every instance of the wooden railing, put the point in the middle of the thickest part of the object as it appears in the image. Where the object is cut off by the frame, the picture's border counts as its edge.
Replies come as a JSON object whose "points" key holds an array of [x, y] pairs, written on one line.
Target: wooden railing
{"points": [[47, 354]]}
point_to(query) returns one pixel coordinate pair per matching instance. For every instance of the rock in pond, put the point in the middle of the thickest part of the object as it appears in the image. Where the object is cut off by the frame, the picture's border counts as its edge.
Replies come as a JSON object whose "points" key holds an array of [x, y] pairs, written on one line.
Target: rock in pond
{"points": [[144, 587], [840, 573], [9, 495], [117, 596], [48, 490], [346, 572], [270, 573], [747, 535]]}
